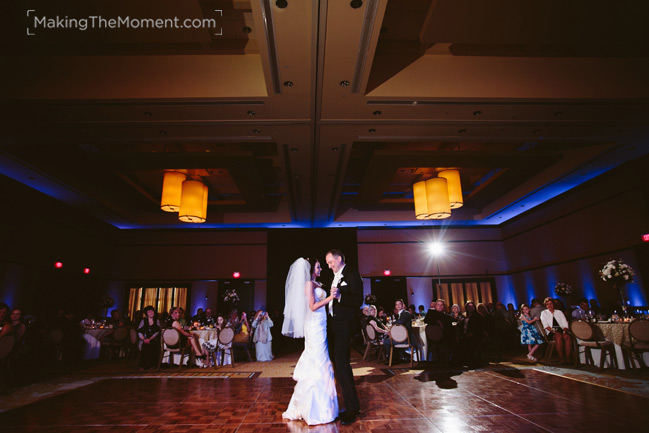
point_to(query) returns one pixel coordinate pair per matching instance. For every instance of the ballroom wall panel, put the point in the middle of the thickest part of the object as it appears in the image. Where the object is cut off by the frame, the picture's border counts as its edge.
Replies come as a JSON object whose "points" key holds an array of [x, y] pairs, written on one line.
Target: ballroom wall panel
{"points": [[572, 237], [405, 252]]}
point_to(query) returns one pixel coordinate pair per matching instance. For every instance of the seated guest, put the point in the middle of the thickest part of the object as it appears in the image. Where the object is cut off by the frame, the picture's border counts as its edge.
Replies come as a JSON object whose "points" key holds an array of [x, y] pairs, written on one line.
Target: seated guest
{"points": [[595, 307], [6, 327], [456, 314], [242, 329], [18, 324], [556, 327], [438, 317], [148, 332], [365, 316], [117, 319], [182, 319], [186, 337], [536, 307], [379, 327], [421, 311], [382, 315], [199, 316], [402, 317], [472, 335], [214, 346], [262, 337], [208, 319], [581, 312], [412, 311]]}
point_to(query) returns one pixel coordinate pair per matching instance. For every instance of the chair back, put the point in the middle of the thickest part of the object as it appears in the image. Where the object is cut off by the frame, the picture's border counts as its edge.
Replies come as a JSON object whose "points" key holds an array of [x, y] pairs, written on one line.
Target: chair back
{"points": [[371, 332], [639, 329], [582, 330], [133, 335], [226, 336], [6, 345], [56, 335], [171, 337], [120, 334], [434, 333], [399, 333], [542, 332]]}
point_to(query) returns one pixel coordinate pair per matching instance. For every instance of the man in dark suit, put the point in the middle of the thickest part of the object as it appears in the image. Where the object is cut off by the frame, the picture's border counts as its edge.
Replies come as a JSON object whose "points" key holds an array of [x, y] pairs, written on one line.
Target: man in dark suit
{"points": [[342, 312], [403, 317]]}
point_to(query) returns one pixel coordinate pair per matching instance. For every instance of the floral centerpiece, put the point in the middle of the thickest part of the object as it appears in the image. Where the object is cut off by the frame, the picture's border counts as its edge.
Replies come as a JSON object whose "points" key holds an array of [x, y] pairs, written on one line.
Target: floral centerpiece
{"points": [[562, 289], [616, 271], [231, 296], [370, 299], [618, 274]]}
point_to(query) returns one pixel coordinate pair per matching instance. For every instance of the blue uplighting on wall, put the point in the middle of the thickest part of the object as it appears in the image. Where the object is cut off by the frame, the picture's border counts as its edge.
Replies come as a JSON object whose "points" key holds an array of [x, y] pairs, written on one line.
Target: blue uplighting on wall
{"points": [[636, 295]]}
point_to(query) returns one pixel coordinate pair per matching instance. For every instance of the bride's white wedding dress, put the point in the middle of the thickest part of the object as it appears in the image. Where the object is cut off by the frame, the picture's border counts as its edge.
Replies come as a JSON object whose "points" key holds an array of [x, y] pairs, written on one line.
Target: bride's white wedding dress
{"points": [[314, 399]]}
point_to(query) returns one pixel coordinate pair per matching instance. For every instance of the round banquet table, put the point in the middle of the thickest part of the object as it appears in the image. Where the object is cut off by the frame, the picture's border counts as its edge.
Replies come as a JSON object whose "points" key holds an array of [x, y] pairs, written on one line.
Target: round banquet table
{"points": [[92, 341], [618, 333]]}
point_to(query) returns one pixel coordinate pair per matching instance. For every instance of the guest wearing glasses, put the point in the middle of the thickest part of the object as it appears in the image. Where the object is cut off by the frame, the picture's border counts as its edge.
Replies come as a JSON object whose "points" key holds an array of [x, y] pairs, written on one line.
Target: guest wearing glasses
{"points": [[556, 327]]}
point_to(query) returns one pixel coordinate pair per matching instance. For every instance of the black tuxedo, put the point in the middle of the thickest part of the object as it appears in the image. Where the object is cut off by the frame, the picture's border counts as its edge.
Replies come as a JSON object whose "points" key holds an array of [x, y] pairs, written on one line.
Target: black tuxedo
{"points": [[339, 332]]}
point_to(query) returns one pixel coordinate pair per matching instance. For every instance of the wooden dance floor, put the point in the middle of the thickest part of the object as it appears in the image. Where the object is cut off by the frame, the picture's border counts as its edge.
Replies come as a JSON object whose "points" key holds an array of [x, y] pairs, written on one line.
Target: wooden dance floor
{"points": [[505, 400]]}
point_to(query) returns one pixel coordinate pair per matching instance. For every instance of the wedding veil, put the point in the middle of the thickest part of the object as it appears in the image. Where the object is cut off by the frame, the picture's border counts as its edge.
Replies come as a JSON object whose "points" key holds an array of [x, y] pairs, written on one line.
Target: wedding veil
{"points": [[296, 304]]}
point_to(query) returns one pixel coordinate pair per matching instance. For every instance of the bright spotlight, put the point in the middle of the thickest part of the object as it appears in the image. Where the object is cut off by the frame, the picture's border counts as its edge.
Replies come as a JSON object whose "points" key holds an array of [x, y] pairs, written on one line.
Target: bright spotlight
{"points": [[436, 248]]}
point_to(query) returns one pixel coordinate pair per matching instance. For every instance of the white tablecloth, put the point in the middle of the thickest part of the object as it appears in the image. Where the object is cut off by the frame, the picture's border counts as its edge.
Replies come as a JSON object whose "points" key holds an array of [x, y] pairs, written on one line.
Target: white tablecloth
{"points": [[92, 342], [419, 334], [618, 333]]}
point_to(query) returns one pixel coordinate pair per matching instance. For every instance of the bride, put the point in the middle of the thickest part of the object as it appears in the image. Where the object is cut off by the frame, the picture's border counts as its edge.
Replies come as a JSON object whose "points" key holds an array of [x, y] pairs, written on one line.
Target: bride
{"points": [[314, 399]]}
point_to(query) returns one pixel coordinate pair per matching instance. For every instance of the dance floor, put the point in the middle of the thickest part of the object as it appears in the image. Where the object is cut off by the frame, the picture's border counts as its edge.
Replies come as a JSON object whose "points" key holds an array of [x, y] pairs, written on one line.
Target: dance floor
{"points": [[505, 399]]}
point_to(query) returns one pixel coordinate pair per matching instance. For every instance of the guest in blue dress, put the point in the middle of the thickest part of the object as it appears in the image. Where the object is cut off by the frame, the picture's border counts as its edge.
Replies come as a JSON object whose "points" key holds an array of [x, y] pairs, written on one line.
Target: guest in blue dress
{"points": [[529, 334], [262, 336]]}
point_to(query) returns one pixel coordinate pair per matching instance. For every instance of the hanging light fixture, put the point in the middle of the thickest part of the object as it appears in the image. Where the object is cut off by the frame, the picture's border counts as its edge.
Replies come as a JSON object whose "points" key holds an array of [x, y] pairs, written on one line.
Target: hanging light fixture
{"points": [[204, 210], [454, 187], [437, 198], [171, 190], [419, 193], [191, 202]]}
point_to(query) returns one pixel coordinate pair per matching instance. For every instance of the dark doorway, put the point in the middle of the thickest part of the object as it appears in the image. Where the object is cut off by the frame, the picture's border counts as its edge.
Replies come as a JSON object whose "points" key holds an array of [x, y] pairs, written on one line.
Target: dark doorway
{"points": [[388, 289]]}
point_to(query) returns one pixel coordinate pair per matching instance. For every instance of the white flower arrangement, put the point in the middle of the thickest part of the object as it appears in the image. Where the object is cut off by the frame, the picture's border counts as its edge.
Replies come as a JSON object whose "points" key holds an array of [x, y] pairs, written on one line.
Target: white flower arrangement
{"points": [[562, 289], [616, 271], [231, 295]]}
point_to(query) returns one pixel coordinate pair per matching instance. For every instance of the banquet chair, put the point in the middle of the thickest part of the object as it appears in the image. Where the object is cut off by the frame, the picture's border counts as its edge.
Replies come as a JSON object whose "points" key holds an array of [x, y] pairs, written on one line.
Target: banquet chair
{"points": [[401, 340], [639, 340], [120, 341], [170, 343], [436, 343], [374, 344], [225, 337], [245, 345], [550, 344], [135, 346], [585, 333]]}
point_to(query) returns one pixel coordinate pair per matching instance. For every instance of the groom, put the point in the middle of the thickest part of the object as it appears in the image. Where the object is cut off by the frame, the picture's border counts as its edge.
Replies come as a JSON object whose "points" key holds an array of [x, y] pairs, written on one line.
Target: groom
{"points": [[347, 289]]}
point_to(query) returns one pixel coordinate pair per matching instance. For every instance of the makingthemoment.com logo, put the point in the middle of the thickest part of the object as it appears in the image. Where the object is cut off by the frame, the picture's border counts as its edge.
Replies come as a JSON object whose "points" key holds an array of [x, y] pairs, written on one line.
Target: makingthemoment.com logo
{"points": [[38, 23]]}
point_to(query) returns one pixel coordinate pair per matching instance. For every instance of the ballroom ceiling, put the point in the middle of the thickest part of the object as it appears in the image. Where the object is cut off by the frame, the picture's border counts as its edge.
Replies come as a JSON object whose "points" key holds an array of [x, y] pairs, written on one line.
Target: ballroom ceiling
{"points": [[322, 113]]}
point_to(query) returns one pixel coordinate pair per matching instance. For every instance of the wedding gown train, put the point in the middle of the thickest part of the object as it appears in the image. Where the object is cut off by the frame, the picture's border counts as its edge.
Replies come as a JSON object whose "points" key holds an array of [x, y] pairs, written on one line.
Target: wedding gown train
{"points": [[314, 399]]}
